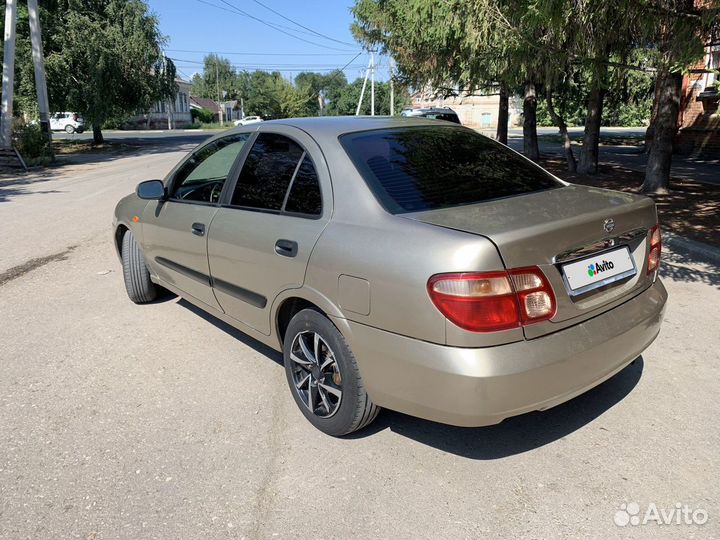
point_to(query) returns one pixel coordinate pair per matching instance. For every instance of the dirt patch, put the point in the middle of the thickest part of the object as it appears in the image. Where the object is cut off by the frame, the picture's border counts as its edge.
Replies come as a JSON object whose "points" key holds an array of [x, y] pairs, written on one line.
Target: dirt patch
{"points": [[691, 209], [22, 269]]}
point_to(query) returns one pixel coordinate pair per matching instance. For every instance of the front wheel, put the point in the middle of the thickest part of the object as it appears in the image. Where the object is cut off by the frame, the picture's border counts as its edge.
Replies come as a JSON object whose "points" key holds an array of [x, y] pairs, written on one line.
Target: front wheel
{"points": [[323, 376], [138, 285]]}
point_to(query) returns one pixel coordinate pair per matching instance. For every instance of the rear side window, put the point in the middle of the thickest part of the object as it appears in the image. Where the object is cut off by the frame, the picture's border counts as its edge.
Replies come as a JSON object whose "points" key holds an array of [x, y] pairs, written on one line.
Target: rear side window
{"points": [[304, 196], [426, 168], [266, 174]]}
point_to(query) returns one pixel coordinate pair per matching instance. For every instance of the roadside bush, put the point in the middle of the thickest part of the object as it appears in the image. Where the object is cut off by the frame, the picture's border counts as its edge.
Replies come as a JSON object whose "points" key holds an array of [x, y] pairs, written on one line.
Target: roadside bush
{"points": [[32, 144], [202, 116]]}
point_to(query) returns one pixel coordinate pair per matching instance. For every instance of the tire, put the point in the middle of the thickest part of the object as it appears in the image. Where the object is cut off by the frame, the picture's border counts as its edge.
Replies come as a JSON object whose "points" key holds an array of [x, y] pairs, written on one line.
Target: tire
{"points": [[69, 129], [140, 289], [331, 414]]}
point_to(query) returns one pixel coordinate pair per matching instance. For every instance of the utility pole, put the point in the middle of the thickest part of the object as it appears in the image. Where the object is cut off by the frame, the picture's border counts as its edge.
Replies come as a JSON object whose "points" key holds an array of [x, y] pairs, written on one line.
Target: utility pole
{"points": [[217, 84], [372, 83], [8, 77], [392, 91], [362, 92], [39, 65]]}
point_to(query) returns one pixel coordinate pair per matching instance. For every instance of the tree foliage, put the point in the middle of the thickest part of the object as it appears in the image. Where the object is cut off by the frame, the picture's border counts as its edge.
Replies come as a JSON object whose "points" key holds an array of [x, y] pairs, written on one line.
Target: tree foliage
{"points": [[270, 95], [575, 51], [103, 59]]}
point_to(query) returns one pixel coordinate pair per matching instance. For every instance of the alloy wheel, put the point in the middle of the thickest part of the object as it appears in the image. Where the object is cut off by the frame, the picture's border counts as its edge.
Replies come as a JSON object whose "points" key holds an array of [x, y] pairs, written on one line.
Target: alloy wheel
{"points": [[316, 374]]}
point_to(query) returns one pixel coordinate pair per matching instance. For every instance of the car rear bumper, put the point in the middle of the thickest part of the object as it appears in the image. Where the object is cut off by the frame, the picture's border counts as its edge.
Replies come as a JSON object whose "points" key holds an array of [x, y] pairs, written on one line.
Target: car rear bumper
{"points": [[477, 387]]}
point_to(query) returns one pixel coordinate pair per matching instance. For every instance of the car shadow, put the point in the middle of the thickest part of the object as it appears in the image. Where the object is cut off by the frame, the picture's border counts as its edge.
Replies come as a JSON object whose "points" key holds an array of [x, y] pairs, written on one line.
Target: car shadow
{"points": [[513, 436], [251, 342], [517, 434]]}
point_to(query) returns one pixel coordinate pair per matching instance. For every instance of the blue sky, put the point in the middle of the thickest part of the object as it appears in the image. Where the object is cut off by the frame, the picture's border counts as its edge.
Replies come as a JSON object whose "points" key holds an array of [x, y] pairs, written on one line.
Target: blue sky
{"points": [[196, 27]]}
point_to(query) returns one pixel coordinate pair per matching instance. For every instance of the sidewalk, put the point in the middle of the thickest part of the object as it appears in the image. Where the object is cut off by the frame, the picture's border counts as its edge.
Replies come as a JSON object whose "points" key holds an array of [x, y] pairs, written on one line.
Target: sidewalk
{"points": [[632, 157]]}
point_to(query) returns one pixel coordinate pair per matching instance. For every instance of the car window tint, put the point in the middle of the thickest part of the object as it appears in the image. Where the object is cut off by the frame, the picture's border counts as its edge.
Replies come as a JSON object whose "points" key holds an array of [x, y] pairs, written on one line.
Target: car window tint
{"points": [[304, 197], [426, 168], [202, 177], [267, 172]]}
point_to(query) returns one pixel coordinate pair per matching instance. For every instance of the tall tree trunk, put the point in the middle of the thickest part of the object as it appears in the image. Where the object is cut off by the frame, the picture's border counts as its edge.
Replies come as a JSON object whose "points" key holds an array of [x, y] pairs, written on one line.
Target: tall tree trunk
{"points": [[657, 173], [559, 121], [591, 135], [650, 131], [530, 140], [503, 114], [97, 134]]}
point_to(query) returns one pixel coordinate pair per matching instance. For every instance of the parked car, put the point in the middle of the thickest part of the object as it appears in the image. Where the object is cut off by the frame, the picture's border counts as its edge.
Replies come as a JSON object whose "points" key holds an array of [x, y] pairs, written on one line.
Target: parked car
{"points": [[248, 120], [407, 264], [436, 113], [69, 122]]}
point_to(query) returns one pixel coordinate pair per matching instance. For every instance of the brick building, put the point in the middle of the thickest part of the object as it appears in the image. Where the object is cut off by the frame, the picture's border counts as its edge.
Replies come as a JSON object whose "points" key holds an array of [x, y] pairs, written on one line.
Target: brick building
{"points": [[699, 133]]}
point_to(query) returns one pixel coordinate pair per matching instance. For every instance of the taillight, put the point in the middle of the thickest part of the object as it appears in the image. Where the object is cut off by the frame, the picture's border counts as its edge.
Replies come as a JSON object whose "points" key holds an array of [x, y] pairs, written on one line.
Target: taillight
{"points": [[653, 260], [493, 301]]}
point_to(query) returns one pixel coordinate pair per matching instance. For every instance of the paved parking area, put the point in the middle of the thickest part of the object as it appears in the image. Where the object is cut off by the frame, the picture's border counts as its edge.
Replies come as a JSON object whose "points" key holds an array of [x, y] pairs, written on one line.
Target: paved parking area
{"points": [[157, 421]]}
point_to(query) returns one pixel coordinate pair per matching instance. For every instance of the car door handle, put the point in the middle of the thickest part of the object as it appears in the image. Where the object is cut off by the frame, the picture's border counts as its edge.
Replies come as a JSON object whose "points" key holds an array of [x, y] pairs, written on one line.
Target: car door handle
{"points": [[286, 248], [198, 229]]}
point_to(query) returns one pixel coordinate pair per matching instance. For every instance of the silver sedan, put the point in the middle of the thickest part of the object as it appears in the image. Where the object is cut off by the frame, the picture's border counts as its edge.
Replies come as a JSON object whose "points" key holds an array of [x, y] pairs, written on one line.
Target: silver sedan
{"points": [[404, 263]]}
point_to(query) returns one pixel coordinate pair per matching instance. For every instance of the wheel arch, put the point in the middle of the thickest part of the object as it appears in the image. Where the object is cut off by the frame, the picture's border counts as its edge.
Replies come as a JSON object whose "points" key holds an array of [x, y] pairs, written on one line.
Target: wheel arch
{"points": [[120, 231], [292, 301]]}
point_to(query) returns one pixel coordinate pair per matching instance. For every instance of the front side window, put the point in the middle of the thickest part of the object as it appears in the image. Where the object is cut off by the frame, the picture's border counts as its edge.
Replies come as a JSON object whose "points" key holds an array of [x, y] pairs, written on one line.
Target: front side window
{"points": [[267, 172], [202, 177], [426, 168]]}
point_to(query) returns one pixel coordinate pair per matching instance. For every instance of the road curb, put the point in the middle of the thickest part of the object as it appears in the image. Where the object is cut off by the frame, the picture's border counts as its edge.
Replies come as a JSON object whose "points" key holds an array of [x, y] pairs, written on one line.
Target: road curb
{"points": [[699, 250]]}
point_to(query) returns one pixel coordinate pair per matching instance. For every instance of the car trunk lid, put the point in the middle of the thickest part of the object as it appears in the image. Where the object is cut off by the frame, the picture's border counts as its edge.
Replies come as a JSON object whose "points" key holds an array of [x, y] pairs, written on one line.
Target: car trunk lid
{"points": [[555, 227]]}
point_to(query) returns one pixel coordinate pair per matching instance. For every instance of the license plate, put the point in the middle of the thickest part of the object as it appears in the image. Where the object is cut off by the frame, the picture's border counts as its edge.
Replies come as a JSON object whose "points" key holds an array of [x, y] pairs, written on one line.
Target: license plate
{"points": [[598, 270]]}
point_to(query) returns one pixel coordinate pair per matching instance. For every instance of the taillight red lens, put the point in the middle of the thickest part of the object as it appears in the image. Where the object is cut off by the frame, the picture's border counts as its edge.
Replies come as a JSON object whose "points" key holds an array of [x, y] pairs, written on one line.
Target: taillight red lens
{"points": [[493, 301], [655, 240]]}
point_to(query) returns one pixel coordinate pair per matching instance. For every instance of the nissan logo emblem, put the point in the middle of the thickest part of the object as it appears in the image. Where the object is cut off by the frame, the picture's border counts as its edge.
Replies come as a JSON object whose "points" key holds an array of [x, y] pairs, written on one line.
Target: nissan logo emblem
{"points": [[609, 225]]}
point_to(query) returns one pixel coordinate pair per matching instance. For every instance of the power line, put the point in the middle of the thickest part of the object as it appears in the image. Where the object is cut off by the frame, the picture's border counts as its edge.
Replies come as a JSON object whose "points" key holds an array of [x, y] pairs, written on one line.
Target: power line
{"points": [[238, 11], [293, 70], [260, 53], [259, 64], [302, 26], [275, 24]]}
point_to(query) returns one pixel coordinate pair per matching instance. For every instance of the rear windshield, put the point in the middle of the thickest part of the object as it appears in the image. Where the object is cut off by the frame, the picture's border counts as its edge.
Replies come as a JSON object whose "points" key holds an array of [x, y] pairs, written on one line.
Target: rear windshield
{"points": [[427, 168]]}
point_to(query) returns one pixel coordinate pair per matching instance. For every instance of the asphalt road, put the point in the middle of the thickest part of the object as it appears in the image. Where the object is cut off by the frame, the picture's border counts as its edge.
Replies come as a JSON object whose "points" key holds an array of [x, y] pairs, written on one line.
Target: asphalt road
{"points": [[150, 137], [156, 421]]}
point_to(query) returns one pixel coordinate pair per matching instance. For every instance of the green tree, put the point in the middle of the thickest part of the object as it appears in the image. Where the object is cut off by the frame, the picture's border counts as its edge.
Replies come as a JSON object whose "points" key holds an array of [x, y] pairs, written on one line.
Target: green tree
{"points": [[346, 100], [460, 45], [679, 30], [323, 88], [219, 80], [103, 59]]}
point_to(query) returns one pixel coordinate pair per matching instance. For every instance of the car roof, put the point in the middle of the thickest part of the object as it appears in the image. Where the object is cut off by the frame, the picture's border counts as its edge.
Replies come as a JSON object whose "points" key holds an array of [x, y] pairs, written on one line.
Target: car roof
{"points": [[335, 126]]}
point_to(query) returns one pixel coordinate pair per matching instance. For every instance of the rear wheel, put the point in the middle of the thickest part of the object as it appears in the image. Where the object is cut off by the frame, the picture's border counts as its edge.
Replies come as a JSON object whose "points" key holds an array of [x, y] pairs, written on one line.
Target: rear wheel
{"points": [[323, 376], [69, 129], [138, 285]]}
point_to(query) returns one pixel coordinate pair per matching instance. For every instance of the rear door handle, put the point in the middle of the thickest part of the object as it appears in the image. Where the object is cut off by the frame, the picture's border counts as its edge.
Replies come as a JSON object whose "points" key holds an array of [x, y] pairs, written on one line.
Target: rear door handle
{"points": [[286, 248], [198, 229]]}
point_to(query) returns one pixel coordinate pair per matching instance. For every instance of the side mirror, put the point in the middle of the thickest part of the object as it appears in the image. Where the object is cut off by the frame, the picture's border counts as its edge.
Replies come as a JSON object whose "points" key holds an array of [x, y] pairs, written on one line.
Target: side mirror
{"points": [[151, 189]]}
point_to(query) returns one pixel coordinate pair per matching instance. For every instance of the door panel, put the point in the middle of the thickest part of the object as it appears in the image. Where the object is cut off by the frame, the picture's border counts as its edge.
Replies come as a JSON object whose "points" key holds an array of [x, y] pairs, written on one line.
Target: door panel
{"points": [[175, 231], [174, 252], [247, 271], [260, 244]]}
